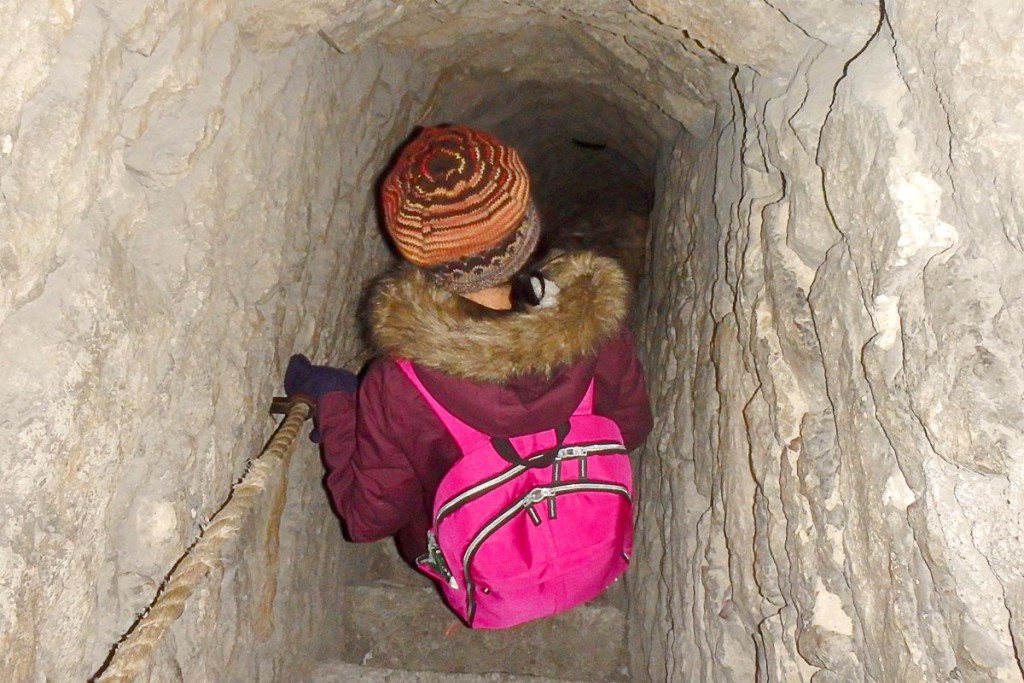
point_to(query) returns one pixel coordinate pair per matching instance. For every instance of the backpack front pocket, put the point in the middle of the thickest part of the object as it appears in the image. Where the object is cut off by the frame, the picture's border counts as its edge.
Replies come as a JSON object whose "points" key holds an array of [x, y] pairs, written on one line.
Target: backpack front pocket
{"points": [[524, 540]]}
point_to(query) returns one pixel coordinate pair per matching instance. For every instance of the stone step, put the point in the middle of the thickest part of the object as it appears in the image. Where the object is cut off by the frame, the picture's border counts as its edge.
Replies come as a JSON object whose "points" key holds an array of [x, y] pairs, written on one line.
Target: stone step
{"points": [[410, 628], [380, 563], [345, 672]]}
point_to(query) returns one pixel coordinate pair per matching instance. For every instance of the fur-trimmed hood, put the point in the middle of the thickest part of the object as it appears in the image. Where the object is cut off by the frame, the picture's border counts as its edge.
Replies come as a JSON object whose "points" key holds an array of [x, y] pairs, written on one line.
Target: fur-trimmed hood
{"points": [[410, 317]]}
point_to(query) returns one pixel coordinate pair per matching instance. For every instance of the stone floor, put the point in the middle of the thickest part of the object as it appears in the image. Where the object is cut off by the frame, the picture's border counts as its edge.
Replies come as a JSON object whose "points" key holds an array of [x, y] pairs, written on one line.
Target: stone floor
{"points": [[398, 629]]}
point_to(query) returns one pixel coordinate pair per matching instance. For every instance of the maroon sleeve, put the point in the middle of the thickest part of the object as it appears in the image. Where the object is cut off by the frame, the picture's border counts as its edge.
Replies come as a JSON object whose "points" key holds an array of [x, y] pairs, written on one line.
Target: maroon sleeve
{"points": [[380, 450], [620, 390]]}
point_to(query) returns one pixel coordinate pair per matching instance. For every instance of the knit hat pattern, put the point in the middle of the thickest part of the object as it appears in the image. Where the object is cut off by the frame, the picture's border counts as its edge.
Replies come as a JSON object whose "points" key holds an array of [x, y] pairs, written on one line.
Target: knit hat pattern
{"points": [[457, 204]]}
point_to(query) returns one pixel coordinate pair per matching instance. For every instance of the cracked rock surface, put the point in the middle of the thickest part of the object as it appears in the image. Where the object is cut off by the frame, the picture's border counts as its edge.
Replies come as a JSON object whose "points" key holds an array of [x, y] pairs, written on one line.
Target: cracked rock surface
{"points": [[831, 310]]}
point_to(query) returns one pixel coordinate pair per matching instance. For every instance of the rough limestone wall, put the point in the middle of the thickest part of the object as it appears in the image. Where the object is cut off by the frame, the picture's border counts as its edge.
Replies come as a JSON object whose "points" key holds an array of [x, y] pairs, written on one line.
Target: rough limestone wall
{"points": [[833, 320], [834, 487], [180, 208]]}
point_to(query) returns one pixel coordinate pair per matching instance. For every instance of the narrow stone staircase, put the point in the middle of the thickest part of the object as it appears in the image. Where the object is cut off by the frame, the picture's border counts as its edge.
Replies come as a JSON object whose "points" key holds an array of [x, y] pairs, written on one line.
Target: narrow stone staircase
{"points": [[397, 629]]}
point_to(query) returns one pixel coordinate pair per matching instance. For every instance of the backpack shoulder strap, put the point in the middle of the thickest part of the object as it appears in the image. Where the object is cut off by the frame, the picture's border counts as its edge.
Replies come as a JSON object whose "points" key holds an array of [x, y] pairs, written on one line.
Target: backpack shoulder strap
{"points": [[463, 434]]}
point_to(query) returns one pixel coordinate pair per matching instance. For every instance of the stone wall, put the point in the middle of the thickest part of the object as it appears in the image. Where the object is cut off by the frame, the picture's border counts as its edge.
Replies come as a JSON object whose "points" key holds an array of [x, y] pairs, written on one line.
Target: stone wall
{"points": [[834, 486], [831, 316], [182, 209]]}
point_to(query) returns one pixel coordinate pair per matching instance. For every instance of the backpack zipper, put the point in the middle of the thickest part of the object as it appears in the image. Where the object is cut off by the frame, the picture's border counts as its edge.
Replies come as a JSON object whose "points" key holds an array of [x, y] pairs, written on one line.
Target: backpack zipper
{"points": [[476, 491], [564, 453], [532, 497], [582, 451]]}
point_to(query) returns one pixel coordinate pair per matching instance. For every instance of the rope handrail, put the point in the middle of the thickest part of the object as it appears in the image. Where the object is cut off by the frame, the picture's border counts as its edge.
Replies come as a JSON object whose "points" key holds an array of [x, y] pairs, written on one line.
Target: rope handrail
{"points": [[131, 654]]}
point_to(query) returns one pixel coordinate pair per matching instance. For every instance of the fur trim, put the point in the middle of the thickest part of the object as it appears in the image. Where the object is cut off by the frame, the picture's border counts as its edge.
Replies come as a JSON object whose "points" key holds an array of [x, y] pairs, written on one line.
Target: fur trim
{"points": [[412, 318]]}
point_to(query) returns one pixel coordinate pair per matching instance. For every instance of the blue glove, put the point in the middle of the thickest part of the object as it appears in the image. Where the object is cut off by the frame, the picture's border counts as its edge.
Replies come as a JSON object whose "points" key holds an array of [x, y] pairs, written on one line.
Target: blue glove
{"points": [[302, 377], [309, 382]]}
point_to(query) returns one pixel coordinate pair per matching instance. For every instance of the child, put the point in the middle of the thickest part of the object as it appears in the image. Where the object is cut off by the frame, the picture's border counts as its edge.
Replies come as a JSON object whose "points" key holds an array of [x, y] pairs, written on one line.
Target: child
{"points": [[504, 350]]}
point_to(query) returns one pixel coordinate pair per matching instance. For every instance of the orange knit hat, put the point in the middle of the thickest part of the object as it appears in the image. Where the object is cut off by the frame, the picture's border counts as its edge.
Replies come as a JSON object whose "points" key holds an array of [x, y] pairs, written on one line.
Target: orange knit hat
{"points": [[457, 203]]}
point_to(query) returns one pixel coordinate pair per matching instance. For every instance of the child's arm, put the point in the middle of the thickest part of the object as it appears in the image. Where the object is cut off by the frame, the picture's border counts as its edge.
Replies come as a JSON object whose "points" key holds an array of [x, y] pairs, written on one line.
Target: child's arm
{"points": [[370, 479], [383, 450], [620, 389]]}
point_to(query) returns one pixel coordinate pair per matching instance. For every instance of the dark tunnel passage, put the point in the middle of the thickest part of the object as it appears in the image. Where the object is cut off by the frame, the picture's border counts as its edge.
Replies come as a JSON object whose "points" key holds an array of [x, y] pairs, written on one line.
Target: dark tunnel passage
{"points": [[592, 168]]}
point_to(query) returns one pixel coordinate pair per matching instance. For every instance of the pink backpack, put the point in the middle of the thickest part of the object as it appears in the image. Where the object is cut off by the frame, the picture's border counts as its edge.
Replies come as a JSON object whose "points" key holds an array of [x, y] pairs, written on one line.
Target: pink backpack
{"points": [[533, 525]]}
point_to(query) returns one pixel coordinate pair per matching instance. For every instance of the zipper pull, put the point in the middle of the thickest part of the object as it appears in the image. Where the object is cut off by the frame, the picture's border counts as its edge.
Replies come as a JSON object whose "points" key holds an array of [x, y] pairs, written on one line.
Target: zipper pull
{"points": [[536, 496], [534, 517]]}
